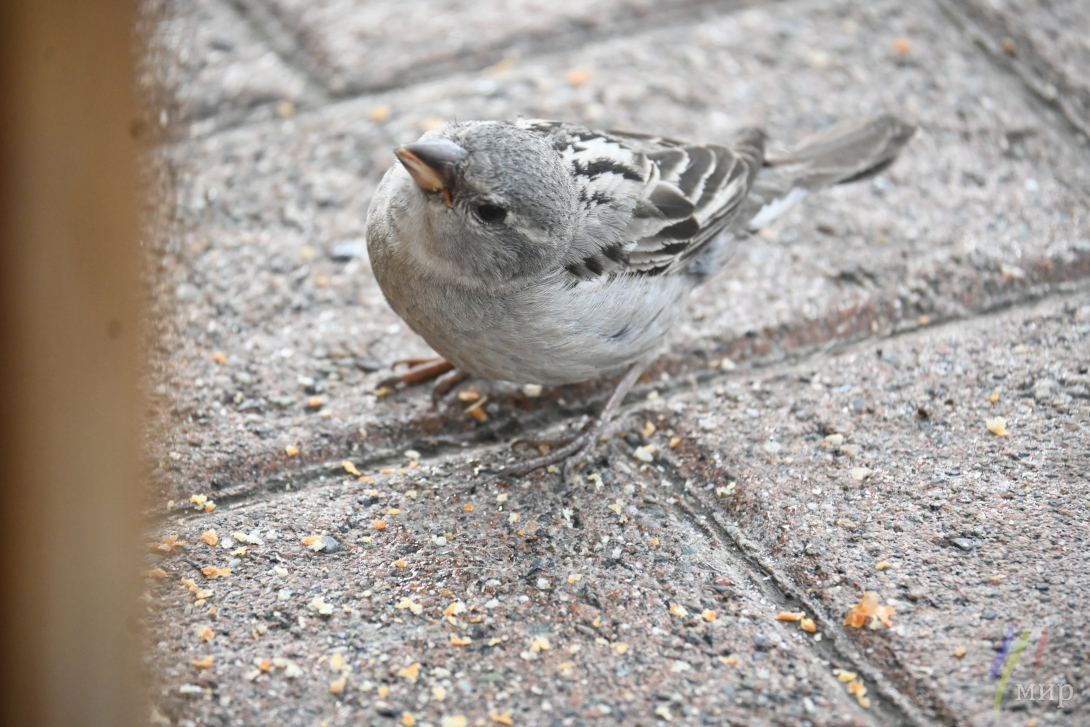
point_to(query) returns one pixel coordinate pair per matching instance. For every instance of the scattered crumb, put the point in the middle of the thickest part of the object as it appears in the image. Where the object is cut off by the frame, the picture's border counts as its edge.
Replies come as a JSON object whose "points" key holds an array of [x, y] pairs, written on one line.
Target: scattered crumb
{"points": [[411, 672], [501, 717], [577, 76], [212, 572], [868, 606], [477, 410], [997, 426]]}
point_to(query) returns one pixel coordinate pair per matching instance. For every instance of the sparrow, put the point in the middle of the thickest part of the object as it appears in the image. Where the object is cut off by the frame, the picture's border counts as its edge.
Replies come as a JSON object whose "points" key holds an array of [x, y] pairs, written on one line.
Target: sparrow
{"points": [[545, 252]]}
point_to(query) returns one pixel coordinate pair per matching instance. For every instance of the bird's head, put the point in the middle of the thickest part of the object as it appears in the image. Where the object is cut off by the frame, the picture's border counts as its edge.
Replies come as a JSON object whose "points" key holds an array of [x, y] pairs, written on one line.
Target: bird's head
{"points": [[488, 201]]}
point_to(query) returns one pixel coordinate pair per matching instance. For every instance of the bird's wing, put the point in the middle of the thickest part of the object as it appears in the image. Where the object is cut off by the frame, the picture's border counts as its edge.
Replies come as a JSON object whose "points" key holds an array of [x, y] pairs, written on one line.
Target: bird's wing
{"points": [[650, 204]]}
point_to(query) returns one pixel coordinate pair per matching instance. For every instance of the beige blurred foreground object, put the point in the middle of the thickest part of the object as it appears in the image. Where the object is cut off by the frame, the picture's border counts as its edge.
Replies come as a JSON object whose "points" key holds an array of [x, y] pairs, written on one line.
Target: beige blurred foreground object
{"points": [[68, 364]]}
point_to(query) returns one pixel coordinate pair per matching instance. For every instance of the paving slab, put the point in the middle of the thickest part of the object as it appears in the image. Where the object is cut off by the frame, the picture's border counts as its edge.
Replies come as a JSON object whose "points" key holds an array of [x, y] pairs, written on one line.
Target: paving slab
{"points": [[1047, 44], [967, 525], [356, 46], [646, 592], [207, 68], [266, 301]]}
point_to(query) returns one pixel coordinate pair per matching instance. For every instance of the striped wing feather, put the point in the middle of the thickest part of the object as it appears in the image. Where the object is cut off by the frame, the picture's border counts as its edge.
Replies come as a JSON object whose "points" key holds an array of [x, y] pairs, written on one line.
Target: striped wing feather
{"points": [[650, 204]]}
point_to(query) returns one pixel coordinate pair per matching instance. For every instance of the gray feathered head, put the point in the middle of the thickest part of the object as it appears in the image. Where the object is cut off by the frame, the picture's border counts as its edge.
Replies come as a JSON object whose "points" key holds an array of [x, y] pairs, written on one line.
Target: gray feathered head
{"points": [[499, 201]]}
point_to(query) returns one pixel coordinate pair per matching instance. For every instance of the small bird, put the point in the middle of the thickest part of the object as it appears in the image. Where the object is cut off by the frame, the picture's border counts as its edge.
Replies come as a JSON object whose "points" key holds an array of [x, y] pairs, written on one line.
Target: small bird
{"points": [[545, 252]]}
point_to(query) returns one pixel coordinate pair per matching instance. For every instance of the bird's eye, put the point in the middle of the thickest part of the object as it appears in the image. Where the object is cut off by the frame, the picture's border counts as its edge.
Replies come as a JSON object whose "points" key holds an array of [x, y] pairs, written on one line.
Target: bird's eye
{"points": [[491, 213]]}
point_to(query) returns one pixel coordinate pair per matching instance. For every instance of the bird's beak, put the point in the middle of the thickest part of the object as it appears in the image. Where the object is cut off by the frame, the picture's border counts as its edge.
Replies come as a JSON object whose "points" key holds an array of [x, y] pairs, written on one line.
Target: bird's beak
{"points": [[432, 164]]}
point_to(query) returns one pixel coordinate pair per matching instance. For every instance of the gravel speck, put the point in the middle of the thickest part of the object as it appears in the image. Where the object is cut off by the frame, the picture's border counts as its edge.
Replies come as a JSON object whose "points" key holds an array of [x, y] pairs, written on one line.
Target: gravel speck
{"points": [[346, 250], [963, 543], [330, 545]]}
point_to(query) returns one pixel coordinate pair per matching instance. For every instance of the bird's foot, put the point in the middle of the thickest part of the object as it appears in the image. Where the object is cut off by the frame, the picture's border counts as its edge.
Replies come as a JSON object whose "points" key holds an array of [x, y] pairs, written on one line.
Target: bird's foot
{"points": [[444, 373], [571, 451], [568, 450], [420, 370], [446, 382]]}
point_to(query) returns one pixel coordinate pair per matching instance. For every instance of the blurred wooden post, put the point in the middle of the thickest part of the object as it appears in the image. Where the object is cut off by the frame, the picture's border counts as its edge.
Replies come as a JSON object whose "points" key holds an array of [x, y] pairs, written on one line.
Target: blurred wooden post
{"points": [[68, 364]]}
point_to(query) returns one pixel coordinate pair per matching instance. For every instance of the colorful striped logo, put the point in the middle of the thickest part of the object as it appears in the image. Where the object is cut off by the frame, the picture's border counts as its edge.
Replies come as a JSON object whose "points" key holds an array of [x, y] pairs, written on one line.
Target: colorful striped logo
{"points": [[1008, 657]]}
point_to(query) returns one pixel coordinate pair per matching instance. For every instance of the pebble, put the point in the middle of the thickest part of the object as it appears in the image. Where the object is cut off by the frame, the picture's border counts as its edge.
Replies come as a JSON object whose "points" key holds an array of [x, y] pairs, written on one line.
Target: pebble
{"points": [[346, 250], [330, 545], [1045, 389], [963, 543]]}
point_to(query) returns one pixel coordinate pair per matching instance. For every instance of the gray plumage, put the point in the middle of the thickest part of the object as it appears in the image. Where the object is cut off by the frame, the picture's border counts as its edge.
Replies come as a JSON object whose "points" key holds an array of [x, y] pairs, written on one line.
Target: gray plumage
{"points": [[548, 253]]}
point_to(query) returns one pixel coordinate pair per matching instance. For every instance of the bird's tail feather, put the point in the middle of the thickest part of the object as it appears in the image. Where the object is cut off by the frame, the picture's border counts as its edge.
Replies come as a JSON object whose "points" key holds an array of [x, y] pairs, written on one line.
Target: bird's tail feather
{"points": [[845, 152]]}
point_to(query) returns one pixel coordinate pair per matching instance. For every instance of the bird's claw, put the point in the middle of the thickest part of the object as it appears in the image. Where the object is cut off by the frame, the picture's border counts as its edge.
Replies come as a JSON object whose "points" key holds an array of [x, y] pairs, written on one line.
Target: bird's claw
{"points": [[421, 370]]}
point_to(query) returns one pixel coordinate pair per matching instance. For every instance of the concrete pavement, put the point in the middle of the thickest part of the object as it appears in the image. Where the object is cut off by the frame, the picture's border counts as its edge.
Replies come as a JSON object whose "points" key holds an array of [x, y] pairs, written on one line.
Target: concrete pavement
{"points": [[865, 336]]}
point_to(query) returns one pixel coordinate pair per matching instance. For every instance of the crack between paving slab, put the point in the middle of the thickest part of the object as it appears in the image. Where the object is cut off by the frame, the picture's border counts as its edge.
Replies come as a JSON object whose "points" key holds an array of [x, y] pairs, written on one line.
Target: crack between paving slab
{"points": [[268, 27], [689, 374], [537, 46], [317, 93], [782, 590], [446, 447], [1053, 91]]}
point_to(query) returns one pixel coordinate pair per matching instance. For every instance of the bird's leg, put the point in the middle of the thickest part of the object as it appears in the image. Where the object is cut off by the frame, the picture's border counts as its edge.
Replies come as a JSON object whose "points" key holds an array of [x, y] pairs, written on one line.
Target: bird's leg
{"points": [[587, 438], [539, 443], [422, 370], [414, 362], [447, 382]]}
